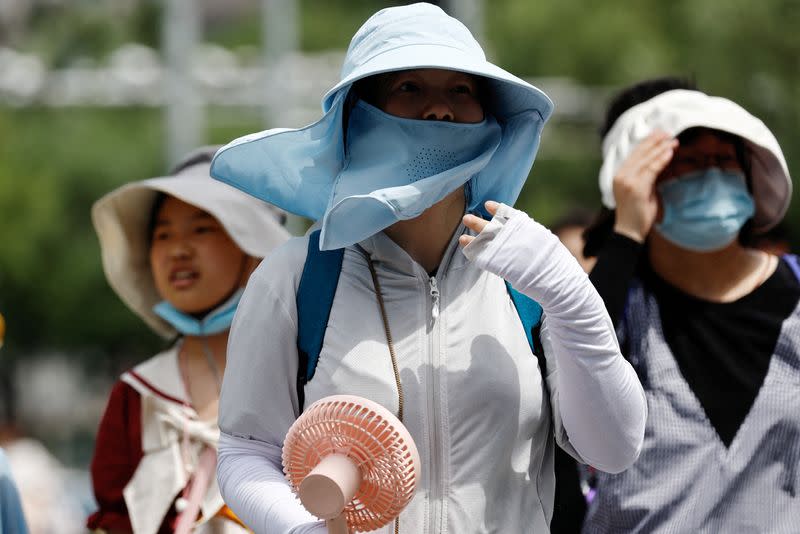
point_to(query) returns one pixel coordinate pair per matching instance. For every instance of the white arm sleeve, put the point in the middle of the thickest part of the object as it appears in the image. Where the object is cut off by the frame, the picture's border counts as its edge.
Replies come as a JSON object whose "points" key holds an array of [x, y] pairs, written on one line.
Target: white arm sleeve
{"points": [[594, 391], [249, 473], [258, 402]]}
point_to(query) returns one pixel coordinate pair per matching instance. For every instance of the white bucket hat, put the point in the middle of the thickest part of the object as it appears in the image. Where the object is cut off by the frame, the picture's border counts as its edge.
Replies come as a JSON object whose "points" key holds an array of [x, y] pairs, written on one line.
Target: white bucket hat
{"points": [[296, 169], [680, 109], [121, 220]]}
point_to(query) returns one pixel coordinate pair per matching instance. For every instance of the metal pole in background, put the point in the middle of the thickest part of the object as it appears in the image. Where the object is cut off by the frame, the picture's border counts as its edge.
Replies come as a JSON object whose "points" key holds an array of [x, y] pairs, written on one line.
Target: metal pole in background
{"points": [[183, 110], [470, 12], [280, 36]]}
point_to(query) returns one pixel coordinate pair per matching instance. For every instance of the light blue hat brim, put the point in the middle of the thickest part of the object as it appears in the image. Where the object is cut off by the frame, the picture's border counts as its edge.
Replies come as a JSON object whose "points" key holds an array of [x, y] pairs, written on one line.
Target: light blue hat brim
{"points": [[295, 169], [509, 94]]}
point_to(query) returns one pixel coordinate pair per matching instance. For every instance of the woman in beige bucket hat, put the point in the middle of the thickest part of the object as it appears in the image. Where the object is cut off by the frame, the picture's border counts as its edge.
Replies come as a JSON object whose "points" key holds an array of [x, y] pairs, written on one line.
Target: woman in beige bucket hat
{"points": [[178, 251]]}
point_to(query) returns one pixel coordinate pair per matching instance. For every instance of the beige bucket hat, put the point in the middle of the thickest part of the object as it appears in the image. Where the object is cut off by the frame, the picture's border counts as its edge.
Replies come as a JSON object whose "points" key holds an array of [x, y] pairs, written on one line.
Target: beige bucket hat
{"points": [[121, 220]]}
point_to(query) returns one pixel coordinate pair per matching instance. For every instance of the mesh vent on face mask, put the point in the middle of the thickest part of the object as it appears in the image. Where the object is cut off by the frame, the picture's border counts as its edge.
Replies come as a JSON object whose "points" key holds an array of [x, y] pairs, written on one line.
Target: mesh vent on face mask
{"points": [[430, 161]]}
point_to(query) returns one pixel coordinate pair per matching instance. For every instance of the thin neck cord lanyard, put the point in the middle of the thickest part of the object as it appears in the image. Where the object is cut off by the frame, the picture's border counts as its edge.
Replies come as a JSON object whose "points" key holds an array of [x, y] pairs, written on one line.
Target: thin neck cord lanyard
{"points": [[389, 342], [212, 364], [188, 505], [392, 354]]}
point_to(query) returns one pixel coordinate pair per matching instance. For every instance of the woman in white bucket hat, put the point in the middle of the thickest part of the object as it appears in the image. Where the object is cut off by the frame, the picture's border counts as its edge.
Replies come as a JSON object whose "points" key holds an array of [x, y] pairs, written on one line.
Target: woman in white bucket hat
{"points": [[711, 325], [420, 130], [178, 250]]}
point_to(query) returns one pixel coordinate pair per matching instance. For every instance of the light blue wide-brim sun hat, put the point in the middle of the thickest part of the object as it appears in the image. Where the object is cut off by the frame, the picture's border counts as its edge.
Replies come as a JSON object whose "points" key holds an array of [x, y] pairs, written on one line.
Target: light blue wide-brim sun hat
{"points": [[296, 169]]}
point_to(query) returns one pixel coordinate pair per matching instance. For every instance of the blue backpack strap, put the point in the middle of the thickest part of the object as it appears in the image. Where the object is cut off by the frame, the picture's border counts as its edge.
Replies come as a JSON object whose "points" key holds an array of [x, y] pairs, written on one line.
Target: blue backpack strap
{"points": [[314, 302], [791, 259], [530, 313]]}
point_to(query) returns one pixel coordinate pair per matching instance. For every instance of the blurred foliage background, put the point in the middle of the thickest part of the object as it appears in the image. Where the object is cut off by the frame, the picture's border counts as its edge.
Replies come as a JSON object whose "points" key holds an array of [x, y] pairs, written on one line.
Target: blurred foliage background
{"points": [[55, 161]]}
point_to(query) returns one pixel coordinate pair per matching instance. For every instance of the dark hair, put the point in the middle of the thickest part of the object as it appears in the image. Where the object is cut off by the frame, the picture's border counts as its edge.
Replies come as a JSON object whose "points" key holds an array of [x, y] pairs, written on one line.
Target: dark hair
{"points": [[158, 202], [368, 89], [201, 155], [153, 219], [779, 239]]}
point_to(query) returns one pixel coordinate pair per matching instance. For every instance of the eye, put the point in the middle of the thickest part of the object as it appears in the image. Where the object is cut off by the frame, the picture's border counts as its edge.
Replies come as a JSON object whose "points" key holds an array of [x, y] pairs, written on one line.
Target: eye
{"points": [[687, 161], [681, 163], [160, 235], [463, 89], [205, 229], [407, 87]]}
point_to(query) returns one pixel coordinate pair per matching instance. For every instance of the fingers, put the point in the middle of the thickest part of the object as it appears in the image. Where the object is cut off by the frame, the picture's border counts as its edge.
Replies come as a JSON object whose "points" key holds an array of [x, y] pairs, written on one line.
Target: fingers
{"points": [[658, 157], [634, 191], [639, 171], [652, 146], [663, 155], [477, 224], [655, 137], [474, 223], [650, 157]]}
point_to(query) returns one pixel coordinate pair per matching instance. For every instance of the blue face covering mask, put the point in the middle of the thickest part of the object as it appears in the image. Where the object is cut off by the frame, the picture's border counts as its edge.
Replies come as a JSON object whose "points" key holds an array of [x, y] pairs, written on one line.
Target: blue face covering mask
{"points": [[216, 321], [704, 210], [396, 168]]}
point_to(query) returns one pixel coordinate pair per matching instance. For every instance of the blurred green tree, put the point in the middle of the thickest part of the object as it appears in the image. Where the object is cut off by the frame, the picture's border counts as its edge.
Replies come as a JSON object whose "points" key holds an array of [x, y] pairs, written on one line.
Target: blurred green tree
{"points": [[739, 49], [55, 162]]}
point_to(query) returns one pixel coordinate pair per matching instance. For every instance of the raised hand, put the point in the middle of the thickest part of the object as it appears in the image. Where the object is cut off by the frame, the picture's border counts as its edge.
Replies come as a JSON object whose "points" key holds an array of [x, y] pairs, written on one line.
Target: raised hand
{"points": [[634, 185], [476, 224]]}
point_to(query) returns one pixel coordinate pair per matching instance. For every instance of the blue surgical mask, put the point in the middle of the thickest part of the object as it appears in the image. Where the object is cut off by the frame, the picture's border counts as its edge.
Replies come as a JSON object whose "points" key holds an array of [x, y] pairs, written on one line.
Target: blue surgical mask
{"points": [[217, 320], [705, 210], [396, 168]]}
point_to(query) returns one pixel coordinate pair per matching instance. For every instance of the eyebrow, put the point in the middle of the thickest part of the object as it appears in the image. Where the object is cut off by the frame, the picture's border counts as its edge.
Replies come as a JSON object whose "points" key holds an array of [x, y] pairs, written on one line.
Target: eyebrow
{"points": [[196, 217]]}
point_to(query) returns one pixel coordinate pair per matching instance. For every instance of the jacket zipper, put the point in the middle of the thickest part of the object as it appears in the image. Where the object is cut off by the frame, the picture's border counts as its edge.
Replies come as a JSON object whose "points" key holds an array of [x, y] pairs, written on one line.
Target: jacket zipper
{"points": [[433, 410], [435, 297], [438, 484]]}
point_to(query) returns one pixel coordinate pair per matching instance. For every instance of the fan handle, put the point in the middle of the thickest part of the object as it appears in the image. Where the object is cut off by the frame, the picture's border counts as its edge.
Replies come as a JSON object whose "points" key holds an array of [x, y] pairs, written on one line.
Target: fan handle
{"points": [[327, 489], [337, 525]]}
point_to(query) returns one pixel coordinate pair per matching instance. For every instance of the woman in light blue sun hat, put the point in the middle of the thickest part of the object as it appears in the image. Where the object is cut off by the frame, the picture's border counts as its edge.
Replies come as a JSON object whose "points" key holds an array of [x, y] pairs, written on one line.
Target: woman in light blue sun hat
{"points": [[403, 294]]}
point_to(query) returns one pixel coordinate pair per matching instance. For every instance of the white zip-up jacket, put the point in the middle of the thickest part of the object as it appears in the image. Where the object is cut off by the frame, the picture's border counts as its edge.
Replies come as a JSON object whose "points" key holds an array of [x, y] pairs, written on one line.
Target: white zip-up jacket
{"points": [[475, 402]]}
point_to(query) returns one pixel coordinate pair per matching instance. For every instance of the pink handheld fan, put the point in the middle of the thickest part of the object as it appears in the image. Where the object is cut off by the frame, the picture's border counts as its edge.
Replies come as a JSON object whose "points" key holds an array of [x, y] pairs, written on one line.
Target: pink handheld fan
{"points": [[351, 462]]}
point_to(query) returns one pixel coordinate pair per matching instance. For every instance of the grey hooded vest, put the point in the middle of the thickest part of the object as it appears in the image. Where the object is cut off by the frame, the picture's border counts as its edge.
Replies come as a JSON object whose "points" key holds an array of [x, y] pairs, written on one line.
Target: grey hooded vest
{"points": [[685, 480]]}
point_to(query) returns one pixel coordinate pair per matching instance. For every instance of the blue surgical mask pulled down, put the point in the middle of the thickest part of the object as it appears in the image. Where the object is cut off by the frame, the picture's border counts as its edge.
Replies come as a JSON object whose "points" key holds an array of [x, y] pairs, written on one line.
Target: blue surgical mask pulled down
{"points": [[705, 210], [217, 320], [396, 168]]}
